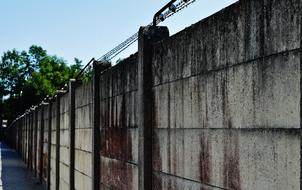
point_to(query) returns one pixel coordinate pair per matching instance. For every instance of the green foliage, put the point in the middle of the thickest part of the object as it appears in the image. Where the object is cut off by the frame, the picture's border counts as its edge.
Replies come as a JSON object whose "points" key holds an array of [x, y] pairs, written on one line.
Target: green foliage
{"points": [[26, 77], [15, 68]]}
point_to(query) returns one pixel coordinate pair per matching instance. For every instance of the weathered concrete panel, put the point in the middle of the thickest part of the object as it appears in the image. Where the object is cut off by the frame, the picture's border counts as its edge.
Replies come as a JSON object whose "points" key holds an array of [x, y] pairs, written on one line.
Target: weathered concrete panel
{"points": [[64, 138], [63, 185], [242, 32], [53, 137], [119, 111], [64, 120], [260, 94], [82, 162], [163, 181], [54, 116], [120, 78], [64, 103], [38, 140], [282, 25], [83, 139], [53, 147], [120, 143], [53, 167], [64, 155], [119, 175], [82, 181], [64, 176], [83, 94], [230, 158], [84, 116]]}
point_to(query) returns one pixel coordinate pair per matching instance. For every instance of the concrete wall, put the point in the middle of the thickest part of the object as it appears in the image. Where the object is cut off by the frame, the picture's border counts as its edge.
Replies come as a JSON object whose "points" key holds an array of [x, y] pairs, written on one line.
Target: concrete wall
{"points": [[53, 155], [83, 135], [45, 143], [225, 96], [64, 142], [39, 145], [227, 100], [119, 133]]}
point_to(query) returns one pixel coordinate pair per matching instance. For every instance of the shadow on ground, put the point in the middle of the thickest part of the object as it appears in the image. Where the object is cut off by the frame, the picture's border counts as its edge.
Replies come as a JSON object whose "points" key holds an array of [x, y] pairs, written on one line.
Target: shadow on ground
{"points": [[14, 173]]}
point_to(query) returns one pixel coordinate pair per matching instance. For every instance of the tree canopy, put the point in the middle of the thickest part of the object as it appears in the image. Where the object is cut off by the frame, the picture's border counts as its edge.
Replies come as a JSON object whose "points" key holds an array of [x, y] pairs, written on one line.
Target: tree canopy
{"points": [[26, 77]]}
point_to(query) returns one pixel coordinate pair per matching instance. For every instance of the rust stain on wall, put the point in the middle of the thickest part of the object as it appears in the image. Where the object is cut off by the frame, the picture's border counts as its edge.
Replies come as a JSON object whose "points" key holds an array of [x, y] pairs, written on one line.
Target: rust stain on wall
{"points": [[231, 167], [45, 164], [117, 143], [117, 174], [156, 182], [157, 160], [205, 160]]}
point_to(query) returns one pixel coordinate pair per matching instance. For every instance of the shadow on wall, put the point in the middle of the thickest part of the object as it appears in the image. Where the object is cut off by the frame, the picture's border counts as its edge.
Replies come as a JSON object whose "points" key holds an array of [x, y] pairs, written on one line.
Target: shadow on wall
{"points": [[14, 174]]}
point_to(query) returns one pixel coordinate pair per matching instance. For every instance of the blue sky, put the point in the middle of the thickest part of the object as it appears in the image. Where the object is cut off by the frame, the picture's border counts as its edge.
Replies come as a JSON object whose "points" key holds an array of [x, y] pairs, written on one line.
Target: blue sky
{"points": [[86, 29]]}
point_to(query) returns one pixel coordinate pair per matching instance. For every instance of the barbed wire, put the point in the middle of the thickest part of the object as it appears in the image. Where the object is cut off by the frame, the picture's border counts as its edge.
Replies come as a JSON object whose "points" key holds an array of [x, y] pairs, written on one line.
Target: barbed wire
{"points": [[118, 49], [125, 44]]}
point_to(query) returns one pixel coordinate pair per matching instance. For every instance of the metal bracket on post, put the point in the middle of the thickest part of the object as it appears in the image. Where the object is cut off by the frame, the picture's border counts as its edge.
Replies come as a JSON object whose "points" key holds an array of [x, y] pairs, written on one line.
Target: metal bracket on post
{"points": [[73, 83], [147, 37], [156, 16]]}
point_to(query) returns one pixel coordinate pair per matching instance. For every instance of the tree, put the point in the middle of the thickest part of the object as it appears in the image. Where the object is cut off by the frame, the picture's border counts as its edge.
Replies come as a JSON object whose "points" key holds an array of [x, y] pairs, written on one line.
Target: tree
{"points": [[28, 76], [15, 68]]}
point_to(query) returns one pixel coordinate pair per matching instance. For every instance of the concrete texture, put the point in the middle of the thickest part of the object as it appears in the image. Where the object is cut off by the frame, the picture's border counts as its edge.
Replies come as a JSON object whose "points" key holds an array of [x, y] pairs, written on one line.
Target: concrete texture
{"points": [[14, 173], [227, 100], [119, 133], [83, 136]]}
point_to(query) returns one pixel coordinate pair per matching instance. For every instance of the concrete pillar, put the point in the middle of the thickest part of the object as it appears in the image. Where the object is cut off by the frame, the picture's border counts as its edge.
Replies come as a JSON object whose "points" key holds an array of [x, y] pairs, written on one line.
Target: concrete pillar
{"points": [[49, 145], [41, 144], [26, 132], [22, 136], [72, 86], [22, 140], [57, 164], [28, 139], [36, 141], [33, 119], [17, 136], [147, 36], [31, 139], [98, 67]]}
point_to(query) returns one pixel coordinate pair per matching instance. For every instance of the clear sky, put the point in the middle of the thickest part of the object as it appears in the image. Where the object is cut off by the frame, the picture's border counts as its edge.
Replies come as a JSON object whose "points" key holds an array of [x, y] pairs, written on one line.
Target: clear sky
{"points": [[86, 29]]}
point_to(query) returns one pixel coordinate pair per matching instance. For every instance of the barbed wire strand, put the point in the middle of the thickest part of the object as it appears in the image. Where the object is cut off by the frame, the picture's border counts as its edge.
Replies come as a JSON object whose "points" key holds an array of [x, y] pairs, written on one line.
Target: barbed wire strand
{"points": [[123, 46]]}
